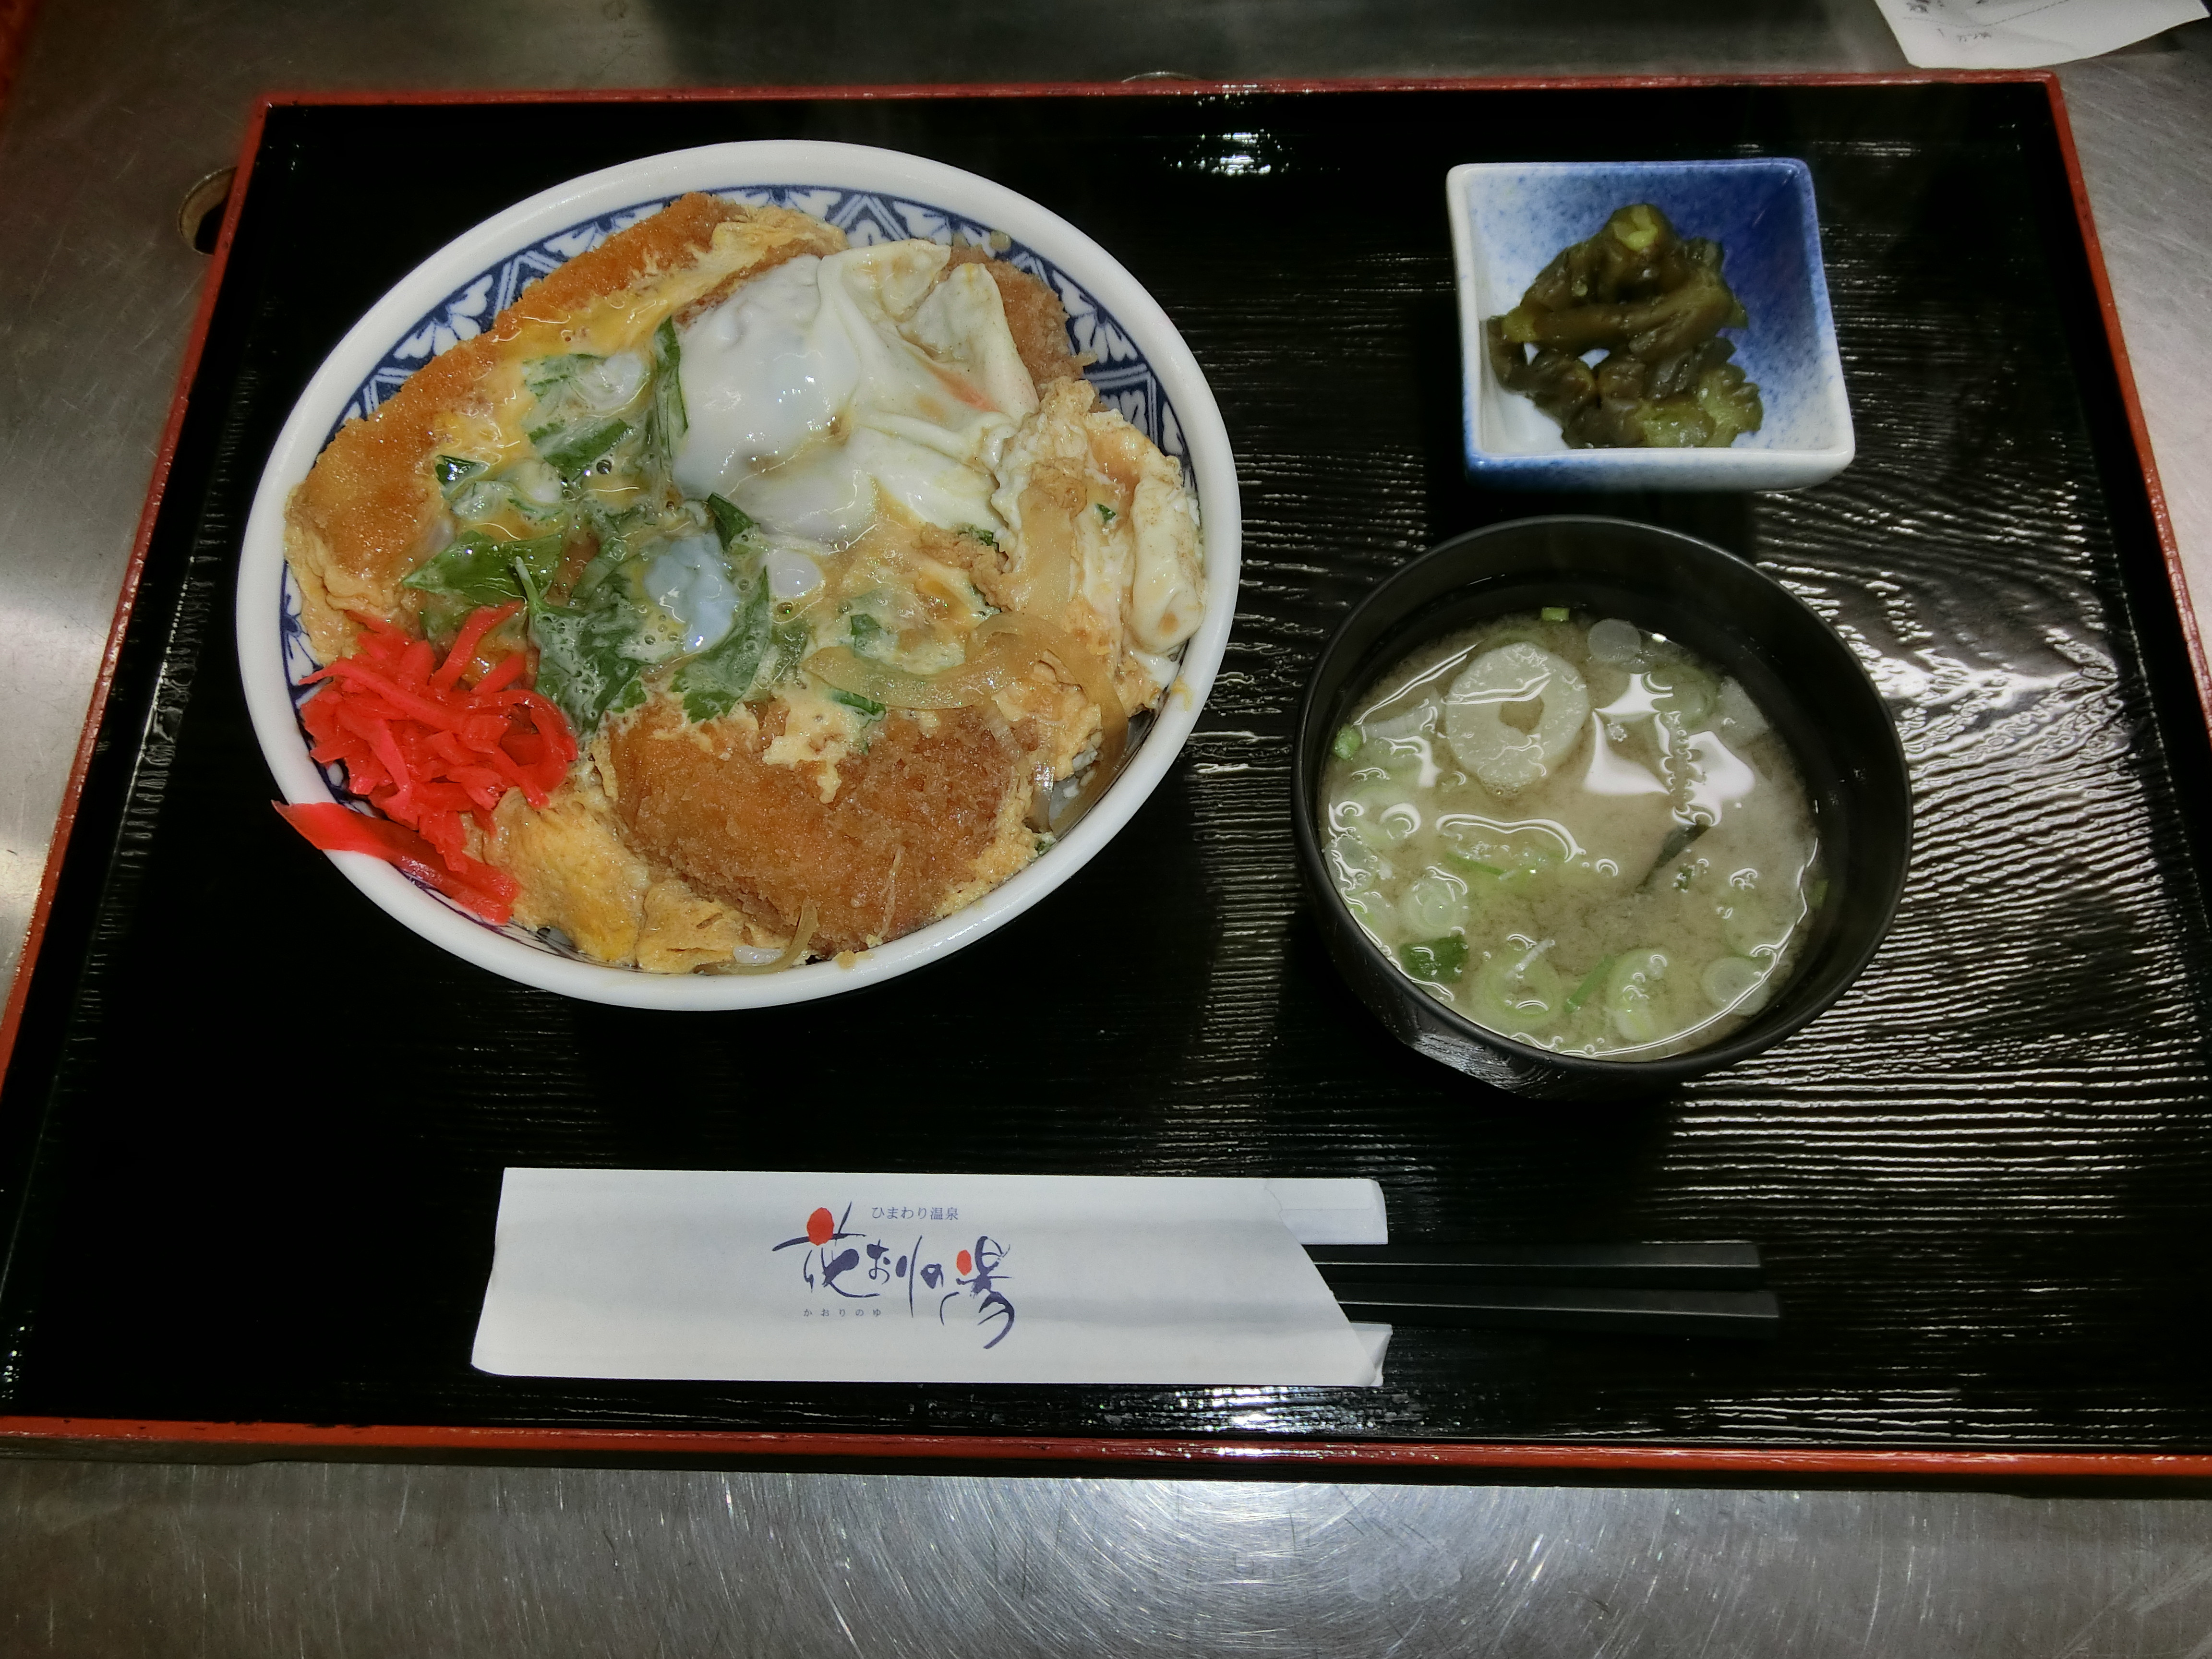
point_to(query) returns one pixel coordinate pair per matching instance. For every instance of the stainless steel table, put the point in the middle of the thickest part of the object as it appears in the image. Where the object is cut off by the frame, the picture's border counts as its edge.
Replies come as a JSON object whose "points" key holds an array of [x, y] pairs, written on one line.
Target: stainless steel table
{"points": [[122, 105]]}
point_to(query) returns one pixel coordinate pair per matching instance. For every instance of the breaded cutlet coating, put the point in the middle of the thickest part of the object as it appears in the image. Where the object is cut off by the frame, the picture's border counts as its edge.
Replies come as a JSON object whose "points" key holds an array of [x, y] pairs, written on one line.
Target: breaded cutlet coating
{"points": [[913, 818], [1035, 316]]}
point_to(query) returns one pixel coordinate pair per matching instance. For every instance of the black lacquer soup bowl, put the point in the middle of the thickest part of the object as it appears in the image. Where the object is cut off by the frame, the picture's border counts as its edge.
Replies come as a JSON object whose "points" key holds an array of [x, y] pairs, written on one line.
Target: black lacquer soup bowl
{"points": [[1801, 675]]}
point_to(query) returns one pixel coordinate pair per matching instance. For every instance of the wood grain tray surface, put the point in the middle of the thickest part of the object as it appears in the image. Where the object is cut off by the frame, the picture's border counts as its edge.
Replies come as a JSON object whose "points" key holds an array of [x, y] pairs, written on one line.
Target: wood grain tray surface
{"points": [[251, 1131]]}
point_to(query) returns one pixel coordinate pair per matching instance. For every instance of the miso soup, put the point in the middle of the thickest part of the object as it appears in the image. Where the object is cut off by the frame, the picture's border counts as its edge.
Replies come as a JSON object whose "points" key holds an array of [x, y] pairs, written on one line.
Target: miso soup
{"points": [[1576, 833]]}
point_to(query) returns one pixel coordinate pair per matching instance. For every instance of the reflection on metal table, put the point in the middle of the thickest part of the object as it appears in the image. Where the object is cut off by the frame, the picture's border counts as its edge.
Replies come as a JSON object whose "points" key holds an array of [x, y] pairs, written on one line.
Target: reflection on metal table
{"points": [[120, 108]]}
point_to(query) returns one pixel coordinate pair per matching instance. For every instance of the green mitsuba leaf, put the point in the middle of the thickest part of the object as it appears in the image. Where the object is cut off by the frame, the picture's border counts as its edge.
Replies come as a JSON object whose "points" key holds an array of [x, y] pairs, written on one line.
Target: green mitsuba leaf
{"points": [[552, 377], [618, 531], [788, 645], [613, 550], [668, 421], [480, 569], [716, 680], [570, 448], [731, 522], [584, 665], [454, 471]]}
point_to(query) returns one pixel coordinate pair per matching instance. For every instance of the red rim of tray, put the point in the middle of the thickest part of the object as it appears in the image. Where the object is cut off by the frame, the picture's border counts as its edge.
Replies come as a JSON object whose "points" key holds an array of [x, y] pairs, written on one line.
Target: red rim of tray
{"points": [[1187, 1456]]}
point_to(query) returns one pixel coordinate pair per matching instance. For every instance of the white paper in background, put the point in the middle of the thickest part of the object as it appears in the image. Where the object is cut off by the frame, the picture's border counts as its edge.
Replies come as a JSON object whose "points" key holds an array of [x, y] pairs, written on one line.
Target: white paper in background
{"points": [[2025, 33], [741, 1276]]}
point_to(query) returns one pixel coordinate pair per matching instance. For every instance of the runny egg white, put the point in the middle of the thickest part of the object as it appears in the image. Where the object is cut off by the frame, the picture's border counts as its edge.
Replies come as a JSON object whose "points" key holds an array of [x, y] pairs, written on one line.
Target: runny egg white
{"points": [[793, 570], [815, 387], [690, 581]]}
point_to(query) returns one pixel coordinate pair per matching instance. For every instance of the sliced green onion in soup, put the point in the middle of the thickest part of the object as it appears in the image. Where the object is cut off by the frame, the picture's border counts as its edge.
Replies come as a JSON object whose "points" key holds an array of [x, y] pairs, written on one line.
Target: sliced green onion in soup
{"points": [[1357, 866], [1759, 921], [1687, 692], [1591, 980], [1728, 981], [1381, 814], [1372, 910], [1434, 903], [1422, 717], [1631, 995], [1614, 640], [1517, 990]]}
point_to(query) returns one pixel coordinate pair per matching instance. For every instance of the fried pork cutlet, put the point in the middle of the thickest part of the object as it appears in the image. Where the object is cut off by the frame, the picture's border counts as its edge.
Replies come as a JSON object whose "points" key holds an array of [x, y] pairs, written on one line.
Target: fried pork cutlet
{"points": [[908, 834], [1035, 316]]}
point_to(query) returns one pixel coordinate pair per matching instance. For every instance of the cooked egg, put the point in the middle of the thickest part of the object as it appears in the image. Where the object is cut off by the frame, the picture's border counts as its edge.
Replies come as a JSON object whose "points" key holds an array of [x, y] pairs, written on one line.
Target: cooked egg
{"points": [[826, 382], [760, 378], [690, 580], [606, 384], [794, 568]]}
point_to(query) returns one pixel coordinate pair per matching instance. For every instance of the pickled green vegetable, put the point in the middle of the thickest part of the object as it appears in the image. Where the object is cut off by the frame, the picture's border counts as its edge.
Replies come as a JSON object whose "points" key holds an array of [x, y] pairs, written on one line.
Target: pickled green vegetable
{"points": [[1655, 304]]}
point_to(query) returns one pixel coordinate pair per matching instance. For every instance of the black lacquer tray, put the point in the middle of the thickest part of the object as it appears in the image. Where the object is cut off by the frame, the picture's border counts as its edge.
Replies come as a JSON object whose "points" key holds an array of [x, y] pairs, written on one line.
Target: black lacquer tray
{"points": [[253, 1130]]}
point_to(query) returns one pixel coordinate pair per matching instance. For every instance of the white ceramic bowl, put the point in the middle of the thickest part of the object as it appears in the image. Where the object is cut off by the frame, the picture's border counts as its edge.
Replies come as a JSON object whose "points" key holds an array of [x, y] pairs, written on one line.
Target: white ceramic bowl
{"points": [[1511, 219], [1143, 369]]}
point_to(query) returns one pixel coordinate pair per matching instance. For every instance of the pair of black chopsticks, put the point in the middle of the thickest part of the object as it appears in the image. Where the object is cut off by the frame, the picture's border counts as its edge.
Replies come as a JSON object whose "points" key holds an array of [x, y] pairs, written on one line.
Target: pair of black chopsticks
{"points": [[1663, 1289]]}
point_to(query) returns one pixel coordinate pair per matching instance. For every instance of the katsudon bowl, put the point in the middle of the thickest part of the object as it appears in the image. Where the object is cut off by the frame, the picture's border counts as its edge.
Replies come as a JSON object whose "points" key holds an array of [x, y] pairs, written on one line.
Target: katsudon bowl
{"points": [[1800, 676], [1139, 367]]}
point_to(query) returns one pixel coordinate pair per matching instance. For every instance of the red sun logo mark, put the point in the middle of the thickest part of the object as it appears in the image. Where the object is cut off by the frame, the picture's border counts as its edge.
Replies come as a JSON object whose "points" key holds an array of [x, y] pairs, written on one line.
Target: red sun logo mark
{"points": [[965, 1262], [822, 1227]]}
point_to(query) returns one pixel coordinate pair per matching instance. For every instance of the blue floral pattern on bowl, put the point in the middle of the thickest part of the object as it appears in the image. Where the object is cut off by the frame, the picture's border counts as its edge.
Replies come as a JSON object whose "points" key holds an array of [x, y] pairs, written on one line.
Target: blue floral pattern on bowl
{"points": [[1124, 380]]}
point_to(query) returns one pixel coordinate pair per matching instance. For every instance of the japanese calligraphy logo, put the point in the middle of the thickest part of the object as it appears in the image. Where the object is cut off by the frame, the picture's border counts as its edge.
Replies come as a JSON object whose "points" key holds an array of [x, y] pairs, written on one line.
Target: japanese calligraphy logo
{"points": [[874, 1274]]}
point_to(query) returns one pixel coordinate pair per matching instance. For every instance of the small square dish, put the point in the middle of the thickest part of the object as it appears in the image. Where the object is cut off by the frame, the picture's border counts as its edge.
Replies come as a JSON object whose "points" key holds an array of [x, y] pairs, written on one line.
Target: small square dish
{"points": [[1511, 219]]}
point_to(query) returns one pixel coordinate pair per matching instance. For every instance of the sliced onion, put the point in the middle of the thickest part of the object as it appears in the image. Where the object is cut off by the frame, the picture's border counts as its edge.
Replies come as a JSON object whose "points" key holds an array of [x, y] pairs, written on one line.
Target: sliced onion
{"points": [[1001, 650], [991, 667], [1048, 578], [978, 680], [793, 953], [1096, 685]]}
